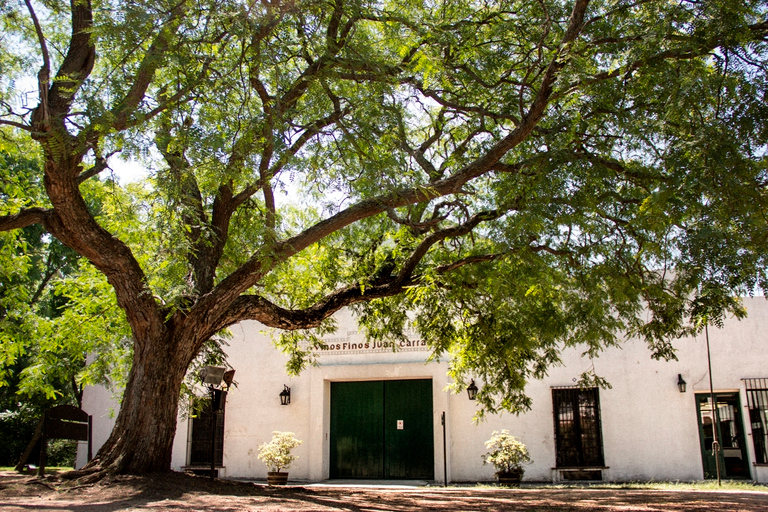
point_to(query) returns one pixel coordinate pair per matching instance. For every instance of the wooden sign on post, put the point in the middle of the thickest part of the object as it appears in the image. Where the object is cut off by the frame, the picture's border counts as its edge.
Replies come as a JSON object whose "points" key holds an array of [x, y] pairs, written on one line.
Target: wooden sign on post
{"points": [[64, 422]]}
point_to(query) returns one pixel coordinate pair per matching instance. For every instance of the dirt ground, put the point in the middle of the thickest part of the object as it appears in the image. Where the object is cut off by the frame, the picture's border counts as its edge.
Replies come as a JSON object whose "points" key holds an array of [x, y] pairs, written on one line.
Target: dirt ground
{"points": [[171, 492]]}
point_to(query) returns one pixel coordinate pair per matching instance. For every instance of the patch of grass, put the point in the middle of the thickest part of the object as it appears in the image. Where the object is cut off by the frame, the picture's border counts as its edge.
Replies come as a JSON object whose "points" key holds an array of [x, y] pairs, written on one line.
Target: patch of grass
{"points": [[48, 469], [704, 485]]}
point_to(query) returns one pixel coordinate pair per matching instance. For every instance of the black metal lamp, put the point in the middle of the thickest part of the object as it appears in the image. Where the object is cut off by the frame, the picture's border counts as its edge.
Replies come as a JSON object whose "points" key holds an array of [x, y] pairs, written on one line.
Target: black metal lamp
{"points": [[472, 390], [285, 395], [681, 384]]}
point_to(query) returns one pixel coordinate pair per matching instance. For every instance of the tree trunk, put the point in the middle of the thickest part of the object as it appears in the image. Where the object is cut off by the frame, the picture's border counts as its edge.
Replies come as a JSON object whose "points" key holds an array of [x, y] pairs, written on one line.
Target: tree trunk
{"points": [[142, 439]]}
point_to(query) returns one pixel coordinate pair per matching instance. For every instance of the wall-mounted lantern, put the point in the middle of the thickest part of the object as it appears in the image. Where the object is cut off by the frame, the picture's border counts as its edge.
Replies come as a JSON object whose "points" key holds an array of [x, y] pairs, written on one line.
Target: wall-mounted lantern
{"points": [[472, 390], [681, 384], [285, 395]]}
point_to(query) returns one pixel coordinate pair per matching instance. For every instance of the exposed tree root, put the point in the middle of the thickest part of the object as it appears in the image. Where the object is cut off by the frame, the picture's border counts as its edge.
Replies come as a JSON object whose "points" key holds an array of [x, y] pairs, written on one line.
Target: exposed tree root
{"points": [[80, 473], [40, 481], [94, 477]]}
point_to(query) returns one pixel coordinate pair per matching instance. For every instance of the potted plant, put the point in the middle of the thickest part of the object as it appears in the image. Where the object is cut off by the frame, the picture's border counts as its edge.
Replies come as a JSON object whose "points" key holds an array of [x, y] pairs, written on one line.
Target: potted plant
{"points": [[276, 454], [508, 455]]}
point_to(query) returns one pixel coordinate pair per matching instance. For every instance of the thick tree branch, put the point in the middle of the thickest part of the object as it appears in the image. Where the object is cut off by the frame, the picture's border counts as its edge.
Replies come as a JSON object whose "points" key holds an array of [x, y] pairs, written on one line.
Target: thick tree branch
{"points": [[332, 32], [74, 69], [24, 218], [205, 245], [270, 208], [265, 176], [257, 308], [209, 249], [44, 75], [254, 307]]}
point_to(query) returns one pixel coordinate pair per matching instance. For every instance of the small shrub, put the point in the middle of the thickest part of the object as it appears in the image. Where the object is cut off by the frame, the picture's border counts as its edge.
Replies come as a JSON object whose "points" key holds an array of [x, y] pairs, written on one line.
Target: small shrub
{"points": [[506, 453], [276, 454]]}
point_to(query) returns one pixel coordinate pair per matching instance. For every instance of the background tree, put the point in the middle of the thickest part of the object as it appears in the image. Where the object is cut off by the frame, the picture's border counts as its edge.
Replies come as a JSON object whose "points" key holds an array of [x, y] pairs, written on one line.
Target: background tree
{"points": [[508, 177], [53, 312]]}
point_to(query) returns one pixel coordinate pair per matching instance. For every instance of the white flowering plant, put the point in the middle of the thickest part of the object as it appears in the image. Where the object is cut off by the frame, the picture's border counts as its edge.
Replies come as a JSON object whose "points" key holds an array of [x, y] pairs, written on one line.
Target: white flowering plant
{"points": [[506, 452], [276, 454]]}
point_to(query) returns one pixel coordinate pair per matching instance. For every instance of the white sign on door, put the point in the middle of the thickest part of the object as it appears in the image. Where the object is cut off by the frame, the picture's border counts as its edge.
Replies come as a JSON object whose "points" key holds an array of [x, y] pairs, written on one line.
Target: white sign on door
{"points": [[399, 424]]}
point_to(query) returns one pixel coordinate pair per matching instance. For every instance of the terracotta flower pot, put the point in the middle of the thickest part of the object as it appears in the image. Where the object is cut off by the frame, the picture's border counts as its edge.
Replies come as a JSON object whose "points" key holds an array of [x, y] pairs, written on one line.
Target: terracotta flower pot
{"points": [[277, 478]]}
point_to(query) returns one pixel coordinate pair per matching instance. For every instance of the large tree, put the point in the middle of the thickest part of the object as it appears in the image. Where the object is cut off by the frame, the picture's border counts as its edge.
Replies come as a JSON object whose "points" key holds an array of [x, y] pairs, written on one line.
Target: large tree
{"points": [[507, 177]]}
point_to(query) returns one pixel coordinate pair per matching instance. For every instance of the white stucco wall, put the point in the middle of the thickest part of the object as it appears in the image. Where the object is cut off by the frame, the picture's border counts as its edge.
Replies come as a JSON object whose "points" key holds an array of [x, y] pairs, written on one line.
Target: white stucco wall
{"points": [[101, 405], [649, 428]]}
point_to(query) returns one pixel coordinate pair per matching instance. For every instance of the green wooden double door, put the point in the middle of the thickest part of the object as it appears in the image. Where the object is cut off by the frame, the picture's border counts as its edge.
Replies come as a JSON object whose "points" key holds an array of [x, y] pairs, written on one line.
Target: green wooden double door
{"points": [[382, 429]]}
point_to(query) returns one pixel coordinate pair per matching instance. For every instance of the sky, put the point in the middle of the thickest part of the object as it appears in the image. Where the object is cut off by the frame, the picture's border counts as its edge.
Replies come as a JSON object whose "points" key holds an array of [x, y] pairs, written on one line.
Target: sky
{"points": [[127, 171]]}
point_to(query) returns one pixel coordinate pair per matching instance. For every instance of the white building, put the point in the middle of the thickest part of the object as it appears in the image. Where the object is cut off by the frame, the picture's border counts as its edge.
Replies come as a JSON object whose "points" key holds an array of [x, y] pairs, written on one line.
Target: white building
{"points": [[369, 412]]}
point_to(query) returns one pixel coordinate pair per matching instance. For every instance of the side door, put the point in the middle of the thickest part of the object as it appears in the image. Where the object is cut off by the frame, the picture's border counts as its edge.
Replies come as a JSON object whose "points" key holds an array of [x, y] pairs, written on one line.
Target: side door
{"points": [[726, 418]]}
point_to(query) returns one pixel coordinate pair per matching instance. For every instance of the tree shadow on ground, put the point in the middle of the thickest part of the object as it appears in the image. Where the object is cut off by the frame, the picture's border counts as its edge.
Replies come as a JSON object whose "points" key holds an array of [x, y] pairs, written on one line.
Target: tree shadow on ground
{"points": [[169, 492]]}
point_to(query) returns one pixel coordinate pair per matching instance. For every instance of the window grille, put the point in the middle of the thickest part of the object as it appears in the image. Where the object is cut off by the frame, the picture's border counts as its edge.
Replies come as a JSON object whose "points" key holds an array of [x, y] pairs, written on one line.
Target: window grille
{"points": [[757, 403], [578, 437]]}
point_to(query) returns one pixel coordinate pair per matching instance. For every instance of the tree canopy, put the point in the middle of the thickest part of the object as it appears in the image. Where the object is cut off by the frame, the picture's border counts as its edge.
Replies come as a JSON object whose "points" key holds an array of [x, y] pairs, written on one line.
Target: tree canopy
{"points": [[506, 177]]}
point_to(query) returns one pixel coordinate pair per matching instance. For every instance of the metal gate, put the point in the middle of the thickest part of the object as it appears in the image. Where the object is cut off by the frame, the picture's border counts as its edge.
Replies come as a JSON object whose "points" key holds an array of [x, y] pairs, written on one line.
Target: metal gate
{"points": [[382, 429]]}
